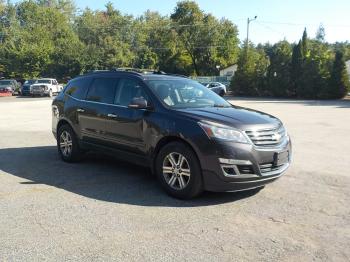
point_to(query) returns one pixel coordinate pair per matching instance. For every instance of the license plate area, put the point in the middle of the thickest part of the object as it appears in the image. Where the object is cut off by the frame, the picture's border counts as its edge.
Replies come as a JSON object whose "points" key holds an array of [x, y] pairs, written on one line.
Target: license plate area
{"points": [[281, 158]]}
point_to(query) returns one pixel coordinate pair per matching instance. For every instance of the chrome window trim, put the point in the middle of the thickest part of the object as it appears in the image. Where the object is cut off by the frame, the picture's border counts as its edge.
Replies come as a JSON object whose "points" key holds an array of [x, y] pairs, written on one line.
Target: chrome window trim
{"points": [[94, 102]]}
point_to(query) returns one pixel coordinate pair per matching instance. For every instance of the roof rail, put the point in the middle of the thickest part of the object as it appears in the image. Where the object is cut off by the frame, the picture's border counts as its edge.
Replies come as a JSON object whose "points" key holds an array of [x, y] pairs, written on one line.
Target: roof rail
{"points": [[138, 71]]}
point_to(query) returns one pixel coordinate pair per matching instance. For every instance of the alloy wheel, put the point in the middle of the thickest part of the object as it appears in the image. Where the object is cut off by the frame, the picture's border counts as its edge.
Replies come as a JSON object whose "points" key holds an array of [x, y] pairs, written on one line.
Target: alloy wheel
{"points": [[66, 143], [176, 171]]}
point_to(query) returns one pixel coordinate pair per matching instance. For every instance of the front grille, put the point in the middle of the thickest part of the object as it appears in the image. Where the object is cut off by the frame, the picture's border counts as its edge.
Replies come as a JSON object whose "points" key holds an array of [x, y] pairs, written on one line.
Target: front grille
{"points": [[269, 167], [267, 137], [38, 88], [245, 169]]}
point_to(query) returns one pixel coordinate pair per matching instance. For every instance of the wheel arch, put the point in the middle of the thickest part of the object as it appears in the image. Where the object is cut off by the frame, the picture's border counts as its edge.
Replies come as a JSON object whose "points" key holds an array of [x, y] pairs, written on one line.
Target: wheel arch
{"points": [[166, 140], [62, 122]]}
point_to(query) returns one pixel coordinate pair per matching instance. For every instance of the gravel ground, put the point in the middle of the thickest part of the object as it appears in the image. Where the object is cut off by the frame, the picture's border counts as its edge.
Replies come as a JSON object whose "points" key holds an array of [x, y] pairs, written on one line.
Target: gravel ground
{"points": [[102, 209]]}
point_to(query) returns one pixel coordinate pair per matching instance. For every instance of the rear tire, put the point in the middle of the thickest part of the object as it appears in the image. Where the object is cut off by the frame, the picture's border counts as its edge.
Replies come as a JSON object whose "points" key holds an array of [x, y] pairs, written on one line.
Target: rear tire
{"points": [[178, 171], [67, 144], [50, 93], [222, 93]]}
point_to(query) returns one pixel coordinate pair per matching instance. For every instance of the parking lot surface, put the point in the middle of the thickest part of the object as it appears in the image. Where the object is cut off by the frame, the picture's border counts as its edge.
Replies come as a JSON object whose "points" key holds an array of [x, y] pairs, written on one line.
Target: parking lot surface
{"points": [[104, 209]]}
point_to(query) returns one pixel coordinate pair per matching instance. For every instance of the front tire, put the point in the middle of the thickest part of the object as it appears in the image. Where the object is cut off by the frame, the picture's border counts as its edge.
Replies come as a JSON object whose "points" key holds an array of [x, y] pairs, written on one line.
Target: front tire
{"points": [[178, 171], [50, 93], [67, 144]]}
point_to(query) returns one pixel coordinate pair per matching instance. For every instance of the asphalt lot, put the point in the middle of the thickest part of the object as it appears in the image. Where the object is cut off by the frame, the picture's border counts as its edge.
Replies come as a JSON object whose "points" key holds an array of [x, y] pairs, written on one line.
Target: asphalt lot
{"points": [[103, 209]]}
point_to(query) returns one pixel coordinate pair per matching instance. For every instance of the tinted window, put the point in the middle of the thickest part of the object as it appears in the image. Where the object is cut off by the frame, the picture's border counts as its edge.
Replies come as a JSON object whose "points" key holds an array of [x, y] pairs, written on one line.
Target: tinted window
{"points": [[102, 90], [44, 81], [77, 88], [5, 82], [184, 93], [127, 90]]}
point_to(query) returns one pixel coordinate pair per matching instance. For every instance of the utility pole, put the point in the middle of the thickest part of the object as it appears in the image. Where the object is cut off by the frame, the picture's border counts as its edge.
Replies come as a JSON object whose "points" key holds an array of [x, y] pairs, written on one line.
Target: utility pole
{"points": [[247, 40]]}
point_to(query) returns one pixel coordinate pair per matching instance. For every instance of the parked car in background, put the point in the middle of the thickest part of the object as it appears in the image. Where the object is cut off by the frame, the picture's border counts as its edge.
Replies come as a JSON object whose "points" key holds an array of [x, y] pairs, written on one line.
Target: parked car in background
{"points": [[26, 88], [217, 87], [8, 86], [190, 137], [46, 87]]}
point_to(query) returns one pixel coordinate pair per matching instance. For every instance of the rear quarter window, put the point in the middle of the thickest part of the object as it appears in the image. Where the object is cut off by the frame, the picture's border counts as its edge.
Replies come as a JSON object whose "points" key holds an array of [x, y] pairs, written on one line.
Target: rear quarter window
{"points": [[77, 88], [102, 90]]}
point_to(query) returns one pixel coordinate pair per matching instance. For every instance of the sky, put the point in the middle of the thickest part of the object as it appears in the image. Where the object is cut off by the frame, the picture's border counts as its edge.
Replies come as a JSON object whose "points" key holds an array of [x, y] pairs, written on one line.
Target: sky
{"points": [[277, 19]]}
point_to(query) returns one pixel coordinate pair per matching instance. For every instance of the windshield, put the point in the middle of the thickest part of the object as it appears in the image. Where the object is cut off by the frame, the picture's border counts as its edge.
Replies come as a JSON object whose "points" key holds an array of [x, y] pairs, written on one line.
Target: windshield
{"points": [[30, 82], [44, 81], [5, 82], [184, 93]]}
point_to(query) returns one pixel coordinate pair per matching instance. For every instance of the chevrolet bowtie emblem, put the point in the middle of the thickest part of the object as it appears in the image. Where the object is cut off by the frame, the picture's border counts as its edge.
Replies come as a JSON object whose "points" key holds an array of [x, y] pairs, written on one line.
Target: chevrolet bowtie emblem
{"points": [[276, 136]]}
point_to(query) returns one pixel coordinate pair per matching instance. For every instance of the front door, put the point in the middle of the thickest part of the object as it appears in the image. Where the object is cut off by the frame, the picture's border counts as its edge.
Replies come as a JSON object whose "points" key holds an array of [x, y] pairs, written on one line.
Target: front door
{"points": [[125, 126]]}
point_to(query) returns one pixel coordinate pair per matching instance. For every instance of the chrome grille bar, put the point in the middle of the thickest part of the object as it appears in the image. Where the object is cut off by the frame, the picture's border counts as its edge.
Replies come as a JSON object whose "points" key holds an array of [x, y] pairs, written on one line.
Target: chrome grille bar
{"points": [[267, 137]]}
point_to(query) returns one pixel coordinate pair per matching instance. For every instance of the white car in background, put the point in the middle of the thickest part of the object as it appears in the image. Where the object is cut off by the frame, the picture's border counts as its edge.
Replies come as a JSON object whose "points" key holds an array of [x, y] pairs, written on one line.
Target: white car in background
{"points": [[46, 87], [217, 87]]}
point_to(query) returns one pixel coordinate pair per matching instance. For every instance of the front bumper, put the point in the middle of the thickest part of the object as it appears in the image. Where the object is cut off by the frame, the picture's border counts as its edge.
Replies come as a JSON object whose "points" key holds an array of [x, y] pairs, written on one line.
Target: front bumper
{"points": [[236, 167], [26, 91], [40, 92]]}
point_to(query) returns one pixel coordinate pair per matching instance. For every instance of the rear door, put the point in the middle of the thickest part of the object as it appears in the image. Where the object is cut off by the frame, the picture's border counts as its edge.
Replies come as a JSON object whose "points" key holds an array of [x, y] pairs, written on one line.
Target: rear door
{"points": [[93, 112]]}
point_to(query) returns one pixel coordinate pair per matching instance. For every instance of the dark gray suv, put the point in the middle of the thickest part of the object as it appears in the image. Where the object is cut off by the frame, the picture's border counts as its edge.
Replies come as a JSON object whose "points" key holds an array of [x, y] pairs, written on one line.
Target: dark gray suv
{"points": [[190, 137]]}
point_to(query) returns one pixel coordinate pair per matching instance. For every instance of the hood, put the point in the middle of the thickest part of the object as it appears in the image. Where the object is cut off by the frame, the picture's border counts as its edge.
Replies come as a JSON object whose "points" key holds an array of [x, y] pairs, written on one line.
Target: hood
{"points": [[39, 84], [238, 117]]}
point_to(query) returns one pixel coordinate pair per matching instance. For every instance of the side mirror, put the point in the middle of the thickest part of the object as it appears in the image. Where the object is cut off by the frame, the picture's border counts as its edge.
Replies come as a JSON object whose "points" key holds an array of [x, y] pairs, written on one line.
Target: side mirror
{"points": [[139, 103]]}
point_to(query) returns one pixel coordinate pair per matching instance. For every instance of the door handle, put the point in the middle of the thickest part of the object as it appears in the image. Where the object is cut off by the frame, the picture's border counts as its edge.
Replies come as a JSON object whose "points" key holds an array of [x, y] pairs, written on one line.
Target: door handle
{"points": [[112, 115], [80, 110]]}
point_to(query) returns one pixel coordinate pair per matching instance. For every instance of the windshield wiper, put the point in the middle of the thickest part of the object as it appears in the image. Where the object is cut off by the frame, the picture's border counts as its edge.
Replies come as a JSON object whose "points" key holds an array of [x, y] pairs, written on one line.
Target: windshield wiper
{"points": [[220, 105]]}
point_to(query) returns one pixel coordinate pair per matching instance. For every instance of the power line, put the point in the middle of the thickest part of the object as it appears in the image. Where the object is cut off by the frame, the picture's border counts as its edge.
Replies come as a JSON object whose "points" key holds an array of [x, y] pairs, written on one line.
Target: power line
{"points": [[300, 24], [269, 28]]}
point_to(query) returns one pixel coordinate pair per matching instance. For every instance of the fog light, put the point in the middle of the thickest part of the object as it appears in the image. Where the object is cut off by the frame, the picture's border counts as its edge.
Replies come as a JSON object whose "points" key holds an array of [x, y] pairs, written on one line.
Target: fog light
{"points": [[234, 161], [229, 171]]}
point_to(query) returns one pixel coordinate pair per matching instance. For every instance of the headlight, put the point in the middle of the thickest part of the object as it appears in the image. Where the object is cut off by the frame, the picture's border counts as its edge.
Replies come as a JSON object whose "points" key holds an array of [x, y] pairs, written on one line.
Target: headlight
{"points": [[215, 130]]}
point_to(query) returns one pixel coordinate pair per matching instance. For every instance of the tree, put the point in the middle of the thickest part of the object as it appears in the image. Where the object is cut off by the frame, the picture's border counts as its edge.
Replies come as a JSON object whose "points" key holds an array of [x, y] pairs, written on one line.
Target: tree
{"points": [[250, 74], [207, 41], [304, 44], [279, 72], [39, 41], [296, 69], [320, 34], [107, 37], [339, 84]]}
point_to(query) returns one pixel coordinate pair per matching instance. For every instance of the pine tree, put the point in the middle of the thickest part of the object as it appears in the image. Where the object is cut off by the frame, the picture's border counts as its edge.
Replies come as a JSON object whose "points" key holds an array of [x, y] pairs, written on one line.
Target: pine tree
{"points": [[339, 84], [304, 44], [320, 34], [296, 69]]}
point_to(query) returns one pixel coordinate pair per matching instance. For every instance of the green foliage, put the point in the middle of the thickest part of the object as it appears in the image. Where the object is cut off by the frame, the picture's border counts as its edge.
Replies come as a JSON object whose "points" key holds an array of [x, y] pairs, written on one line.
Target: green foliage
{"points": [[207, 41], [339, 79], [279, 72], [49, 38], [321, 33], [307, 69], [249, 77]]}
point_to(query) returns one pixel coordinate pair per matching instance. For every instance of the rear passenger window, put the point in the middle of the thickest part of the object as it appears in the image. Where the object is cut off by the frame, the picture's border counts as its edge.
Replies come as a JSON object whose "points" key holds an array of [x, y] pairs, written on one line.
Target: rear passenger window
{"points": [[102, 90], [77, 88]]}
